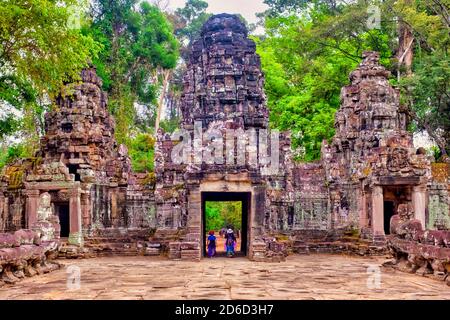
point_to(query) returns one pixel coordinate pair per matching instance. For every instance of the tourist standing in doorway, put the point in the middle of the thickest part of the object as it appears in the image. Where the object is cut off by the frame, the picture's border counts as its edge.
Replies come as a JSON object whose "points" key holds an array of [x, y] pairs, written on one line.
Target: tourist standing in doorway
{"points": [[230, 242], [211, 244]]}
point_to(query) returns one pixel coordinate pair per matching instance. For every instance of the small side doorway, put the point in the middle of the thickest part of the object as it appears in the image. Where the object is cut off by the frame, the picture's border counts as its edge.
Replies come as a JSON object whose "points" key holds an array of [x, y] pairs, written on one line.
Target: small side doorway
{"points": [[63, 212], [388, 213]]}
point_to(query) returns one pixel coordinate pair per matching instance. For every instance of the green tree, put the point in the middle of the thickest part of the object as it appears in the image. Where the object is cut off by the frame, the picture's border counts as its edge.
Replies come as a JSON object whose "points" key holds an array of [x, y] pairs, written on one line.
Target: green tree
{"points": [[187, 22], [311, 47], [9, 153], [290, 7], [214, 219], [306, 58], [220, 214], [142, 152], [191, 19], [138, 41], [40, 51], [425, 83]]}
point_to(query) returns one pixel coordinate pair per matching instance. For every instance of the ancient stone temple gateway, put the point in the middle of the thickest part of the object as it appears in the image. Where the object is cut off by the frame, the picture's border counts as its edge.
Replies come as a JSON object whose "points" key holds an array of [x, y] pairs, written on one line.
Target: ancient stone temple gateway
{"points": [[369, 173]]}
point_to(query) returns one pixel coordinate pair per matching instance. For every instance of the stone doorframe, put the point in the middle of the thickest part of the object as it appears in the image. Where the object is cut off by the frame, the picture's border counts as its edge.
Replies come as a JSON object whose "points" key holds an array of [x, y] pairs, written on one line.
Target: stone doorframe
{"points": [[418, 197], [33, 191], [245, 199], [231, 184]]}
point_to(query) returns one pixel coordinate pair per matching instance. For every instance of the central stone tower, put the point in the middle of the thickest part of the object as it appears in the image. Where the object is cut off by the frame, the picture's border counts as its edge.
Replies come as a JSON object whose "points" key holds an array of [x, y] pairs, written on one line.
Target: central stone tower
{"points": [[224, 80], [223, 145]]}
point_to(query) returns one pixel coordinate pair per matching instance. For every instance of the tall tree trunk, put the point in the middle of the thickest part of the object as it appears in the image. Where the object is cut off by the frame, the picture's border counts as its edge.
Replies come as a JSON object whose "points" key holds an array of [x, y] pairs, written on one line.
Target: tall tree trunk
{"points": [[166, 77], [405, 45]]}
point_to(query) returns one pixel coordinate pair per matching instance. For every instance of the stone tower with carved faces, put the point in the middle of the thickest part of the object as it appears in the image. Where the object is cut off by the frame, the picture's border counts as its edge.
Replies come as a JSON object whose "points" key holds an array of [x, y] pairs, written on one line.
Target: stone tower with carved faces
{"points": [[372, 165], [224, 139]]}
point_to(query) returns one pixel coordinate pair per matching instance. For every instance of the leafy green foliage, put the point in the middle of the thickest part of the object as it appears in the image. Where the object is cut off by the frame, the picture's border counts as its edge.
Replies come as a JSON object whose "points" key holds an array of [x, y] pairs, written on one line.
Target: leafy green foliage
{"points": [[9, 154], [191, 19], [142, 152], [220, 214], [39, 53], [311, 46], [426, 90], [170, 125], [38, 45], [429, 93], [306, 59], [279, 7], [8, 125], [137, 40]]}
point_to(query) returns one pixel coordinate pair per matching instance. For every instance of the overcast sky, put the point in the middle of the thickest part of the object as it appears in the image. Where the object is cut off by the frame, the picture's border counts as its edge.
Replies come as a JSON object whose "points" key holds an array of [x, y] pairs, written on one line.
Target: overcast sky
{"points": [[247, 8]]}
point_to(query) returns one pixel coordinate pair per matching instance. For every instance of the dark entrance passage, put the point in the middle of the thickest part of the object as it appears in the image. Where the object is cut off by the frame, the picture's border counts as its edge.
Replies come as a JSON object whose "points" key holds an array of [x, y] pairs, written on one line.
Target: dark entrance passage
{"points": [[388, 213], [244, 199], [64, 219], [73, 168]]}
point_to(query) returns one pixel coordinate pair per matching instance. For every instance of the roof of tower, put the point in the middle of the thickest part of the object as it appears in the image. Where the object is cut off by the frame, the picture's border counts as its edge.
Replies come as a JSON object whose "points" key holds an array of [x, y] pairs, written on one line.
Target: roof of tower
{"points": [[224, 22], [369, 68]]}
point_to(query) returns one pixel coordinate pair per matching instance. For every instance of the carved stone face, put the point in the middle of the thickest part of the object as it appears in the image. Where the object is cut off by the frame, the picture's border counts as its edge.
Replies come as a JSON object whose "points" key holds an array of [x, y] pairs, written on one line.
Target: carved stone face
{"points": [[44, 211], [45, 200], [398, 159]]}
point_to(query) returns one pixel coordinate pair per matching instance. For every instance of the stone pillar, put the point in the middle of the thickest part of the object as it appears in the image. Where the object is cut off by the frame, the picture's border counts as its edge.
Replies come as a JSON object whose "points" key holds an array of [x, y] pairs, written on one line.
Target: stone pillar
{"points": [[125, 220], [362, 209], [114, 214], [256, 223], [419, 203], [75, 235], [85, 209], [31, 207], [3, 212], [377, 212], [194, 224]]}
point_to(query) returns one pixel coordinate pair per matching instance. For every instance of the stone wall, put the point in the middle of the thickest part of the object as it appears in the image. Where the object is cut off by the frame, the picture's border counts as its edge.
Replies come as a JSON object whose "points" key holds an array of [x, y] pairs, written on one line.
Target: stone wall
{"points": [[311, 199], [439, 197], [83, 169]]}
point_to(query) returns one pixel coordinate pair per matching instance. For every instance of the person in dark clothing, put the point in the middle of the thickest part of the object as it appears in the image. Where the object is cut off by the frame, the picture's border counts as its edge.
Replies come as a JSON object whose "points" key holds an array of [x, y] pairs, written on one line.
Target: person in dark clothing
{"points": [[211, 244], [230, 243]]}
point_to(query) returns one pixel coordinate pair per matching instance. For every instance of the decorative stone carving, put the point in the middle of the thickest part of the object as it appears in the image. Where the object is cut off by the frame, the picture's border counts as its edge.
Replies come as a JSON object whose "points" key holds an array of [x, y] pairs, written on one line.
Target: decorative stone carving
{"points": [[45, 209], [397, 159], [223, 91], [47, 226], [372, 152]]}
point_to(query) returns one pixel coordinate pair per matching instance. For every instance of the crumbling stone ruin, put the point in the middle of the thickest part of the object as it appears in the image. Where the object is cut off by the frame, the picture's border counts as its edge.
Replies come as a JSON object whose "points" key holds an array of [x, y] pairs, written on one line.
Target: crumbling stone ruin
{"points": [[30, 252], [85, 175], [371, 162], [415, 250], [371, 189], [223, 101]]}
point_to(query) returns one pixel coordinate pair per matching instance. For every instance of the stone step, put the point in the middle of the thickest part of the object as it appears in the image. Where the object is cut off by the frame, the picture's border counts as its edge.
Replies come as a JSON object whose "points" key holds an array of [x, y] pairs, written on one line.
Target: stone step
{"points": [[193, 237]]}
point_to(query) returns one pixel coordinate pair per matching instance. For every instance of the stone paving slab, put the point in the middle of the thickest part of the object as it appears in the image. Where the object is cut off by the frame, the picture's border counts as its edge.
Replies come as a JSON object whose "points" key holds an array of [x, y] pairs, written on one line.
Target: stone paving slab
{"points": [[316, 276]]}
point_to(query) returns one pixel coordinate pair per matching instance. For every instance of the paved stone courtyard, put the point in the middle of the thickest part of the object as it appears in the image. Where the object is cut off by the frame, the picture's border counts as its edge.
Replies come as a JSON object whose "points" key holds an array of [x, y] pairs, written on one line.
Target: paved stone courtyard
{"points": [[300, 277]]}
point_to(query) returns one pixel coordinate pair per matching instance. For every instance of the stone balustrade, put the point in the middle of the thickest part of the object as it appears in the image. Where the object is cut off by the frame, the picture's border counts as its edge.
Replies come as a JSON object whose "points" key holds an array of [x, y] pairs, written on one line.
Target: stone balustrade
{"points": [[424, 252], [24, 254]]}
